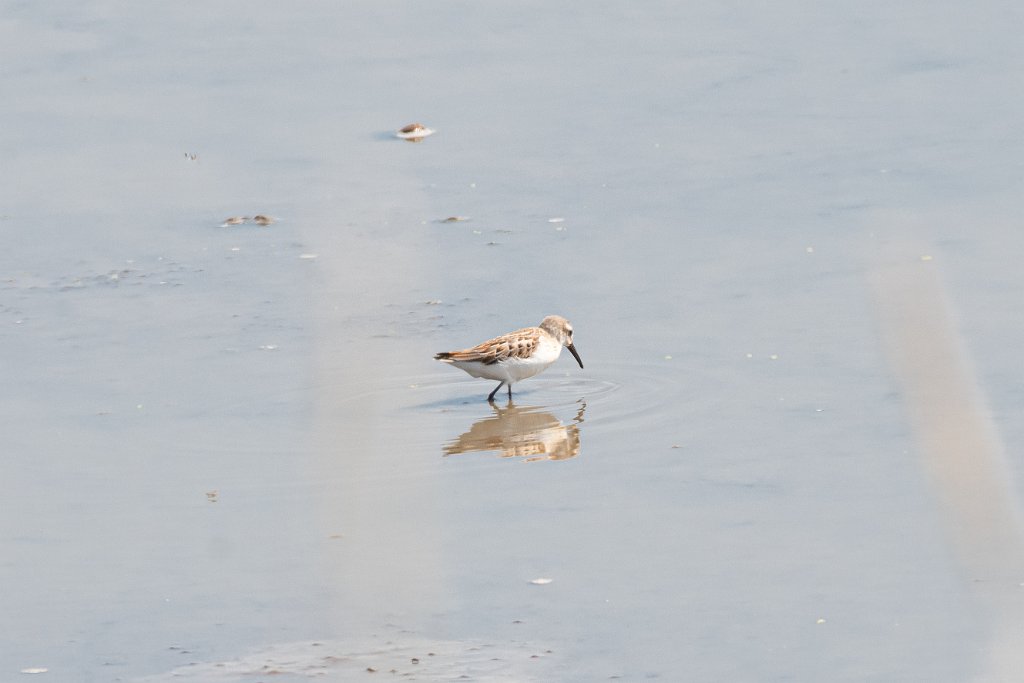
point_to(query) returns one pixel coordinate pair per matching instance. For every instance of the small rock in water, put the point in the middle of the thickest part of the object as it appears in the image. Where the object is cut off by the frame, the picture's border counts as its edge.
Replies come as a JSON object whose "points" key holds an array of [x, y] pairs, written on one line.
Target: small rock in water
{"points": [[455, 219], [414, 132], [260, 219], [234, 220]]}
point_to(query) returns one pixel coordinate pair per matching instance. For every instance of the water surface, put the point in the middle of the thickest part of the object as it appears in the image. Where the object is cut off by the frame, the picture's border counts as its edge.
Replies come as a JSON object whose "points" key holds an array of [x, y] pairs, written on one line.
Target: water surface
{"points": [[228, 451]]}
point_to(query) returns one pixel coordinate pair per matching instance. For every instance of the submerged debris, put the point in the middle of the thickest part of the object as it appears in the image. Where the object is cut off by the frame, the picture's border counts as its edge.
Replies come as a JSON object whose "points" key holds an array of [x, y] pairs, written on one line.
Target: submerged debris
{"points": [[399, 653], [258, 219]]}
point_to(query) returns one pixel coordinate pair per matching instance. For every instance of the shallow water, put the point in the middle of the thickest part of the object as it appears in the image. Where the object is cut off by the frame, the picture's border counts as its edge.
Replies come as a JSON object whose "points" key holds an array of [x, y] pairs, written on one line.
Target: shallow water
{"points": [[228, 449]]}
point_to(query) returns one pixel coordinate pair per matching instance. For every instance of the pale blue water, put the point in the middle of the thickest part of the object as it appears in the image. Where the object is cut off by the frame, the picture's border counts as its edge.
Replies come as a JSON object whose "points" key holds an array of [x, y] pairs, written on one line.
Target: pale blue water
{"points": [[227, 448]]}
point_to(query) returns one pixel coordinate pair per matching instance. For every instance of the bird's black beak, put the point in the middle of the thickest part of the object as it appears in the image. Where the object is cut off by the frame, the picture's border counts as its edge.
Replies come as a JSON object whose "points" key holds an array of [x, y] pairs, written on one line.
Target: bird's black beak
{"points": [[572, 350]]}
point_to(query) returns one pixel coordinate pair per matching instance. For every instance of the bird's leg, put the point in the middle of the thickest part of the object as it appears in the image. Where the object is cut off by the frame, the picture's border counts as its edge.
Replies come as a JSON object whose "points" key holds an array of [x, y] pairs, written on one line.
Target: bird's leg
{"points": [[510, 391], [490, 398]]}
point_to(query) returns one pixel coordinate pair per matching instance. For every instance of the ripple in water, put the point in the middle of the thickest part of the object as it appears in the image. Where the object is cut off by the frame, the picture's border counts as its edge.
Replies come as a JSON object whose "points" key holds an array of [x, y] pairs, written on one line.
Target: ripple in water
{"points": [[546, 418]]}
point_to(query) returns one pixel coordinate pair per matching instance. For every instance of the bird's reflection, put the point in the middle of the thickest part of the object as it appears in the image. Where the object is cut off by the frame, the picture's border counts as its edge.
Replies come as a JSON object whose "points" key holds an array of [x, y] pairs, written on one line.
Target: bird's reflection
{"points": [[522, 432]]}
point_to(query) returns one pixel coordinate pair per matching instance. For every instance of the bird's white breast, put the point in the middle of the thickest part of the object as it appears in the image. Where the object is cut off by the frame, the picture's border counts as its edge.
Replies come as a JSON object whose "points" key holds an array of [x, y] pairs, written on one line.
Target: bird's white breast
{"points": [[545, 354], [514, 369]]}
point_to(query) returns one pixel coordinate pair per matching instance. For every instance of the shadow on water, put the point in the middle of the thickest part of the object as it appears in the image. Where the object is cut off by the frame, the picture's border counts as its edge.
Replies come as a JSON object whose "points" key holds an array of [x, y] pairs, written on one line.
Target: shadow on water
{"points": [[527, 432]]}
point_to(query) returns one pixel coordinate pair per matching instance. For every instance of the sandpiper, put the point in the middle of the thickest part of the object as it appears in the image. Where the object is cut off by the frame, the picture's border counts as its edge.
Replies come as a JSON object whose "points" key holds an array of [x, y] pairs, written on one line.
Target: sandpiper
{"points": [[516, 355]]}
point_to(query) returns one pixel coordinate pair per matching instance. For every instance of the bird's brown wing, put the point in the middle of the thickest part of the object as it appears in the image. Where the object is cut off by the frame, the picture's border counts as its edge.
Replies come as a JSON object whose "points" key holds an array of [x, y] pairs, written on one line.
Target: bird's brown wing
{"points": [[518, 344]]}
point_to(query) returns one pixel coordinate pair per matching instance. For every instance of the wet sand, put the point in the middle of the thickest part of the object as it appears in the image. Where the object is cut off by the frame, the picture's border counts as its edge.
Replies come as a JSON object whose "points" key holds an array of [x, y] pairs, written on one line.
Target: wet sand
{"points": [[228, 451]]}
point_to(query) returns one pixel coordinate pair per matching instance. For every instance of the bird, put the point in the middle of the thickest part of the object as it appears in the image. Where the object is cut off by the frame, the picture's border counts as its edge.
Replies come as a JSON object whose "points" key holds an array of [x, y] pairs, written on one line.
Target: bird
{"points": [[516, 355]]}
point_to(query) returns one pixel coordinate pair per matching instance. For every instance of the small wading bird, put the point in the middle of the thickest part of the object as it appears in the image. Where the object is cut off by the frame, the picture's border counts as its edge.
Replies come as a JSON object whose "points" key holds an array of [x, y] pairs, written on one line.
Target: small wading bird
{"points": [[516, 355]]}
